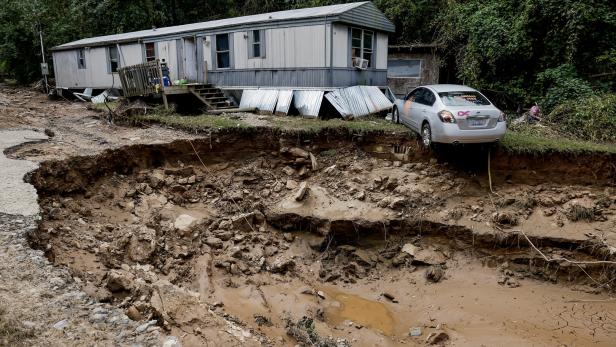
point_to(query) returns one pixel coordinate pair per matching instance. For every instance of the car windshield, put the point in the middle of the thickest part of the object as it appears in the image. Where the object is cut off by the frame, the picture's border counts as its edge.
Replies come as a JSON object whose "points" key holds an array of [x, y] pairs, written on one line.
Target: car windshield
{"points": [[463, 99]]}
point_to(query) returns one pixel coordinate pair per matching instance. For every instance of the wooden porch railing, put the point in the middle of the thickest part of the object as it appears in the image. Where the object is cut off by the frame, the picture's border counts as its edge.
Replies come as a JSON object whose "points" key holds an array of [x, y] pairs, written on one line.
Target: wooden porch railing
{"points": [[141, 79]]}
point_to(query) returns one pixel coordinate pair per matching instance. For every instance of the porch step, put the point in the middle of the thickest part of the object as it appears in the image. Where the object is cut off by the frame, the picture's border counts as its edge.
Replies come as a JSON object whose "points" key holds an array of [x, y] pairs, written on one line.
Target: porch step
{"points": [[211, 96]]}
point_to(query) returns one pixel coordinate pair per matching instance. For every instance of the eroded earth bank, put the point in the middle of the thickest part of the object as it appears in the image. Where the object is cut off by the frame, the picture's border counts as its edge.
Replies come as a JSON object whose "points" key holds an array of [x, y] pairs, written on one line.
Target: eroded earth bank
{"points": [[257, 237]]}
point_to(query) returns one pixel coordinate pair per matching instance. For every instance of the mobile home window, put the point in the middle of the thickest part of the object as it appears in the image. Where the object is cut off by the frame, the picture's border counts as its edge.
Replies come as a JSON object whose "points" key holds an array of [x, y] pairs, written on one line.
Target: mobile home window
{"points": [[81, 58], [150, 51], [256, 44], [114, 61], [361, 44], [404, 68], [223, 60]]}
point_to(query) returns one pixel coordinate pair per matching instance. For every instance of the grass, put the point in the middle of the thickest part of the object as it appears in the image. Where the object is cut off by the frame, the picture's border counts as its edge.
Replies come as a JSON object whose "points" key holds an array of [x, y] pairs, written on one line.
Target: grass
{"points": [[525, 143], [202, 122], [368, 124], [520, 140]]}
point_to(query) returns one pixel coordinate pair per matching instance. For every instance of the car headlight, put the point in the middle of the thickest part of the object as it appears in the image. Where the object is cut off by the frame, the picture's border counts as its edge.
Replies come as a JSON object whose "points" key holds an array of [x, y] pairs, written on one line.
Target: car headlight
{"points": [[502, 117], [446, 117]]}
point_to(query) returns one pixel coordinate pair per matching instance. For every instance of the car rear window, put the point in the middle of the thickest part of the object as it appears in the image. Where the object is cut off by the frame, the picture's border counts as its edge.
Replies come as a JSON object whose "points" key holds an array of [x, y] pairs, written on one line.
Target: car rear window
{"points": [[463, 99]]}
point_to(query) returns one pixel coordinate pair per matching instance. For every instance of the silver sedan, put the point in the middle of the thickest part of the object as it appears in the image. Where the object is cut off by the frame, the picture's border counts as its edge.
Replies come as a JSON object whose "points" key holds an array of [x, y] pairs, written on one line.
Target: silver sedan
{"points": [[450, 113]]}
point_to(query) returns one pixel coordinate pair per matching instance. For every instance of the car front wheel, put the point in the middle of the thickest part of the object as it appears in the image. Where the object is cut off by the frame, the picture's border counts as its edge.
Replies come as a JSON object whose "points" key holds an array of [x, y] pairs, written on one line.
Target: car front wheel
{"points": [[426, 135]]}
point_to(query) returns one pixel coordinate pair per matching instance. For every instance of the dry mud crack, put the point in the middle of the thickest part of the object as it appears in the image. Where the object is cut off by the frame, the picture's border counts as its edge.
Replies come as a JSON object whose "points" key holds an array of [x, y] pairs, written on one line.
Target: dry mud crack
{"points": [[331, 240]]}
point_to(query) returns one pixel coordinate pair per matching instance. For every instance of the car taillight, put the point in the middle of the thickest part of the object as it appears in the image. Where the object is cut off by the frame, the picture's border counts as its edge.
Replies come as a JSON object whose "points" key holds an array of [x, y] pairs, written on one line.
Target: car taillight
{"points": [[502, 117], [446, 117]]}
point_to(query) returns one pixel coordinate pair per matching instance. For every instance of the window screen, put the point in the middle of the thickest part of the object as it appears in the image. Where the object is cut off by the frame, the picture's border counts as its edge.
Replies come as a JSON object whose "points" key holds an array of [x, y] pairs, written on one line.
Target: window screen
{"points": [[362, 42]]}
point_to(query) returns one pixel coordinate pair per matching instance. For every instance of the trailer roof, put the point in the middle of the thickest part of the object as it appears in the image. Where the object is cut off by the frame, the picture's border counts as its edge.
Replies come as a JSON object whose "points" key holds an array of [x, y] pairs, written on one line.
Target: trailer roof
{"points": [[359, 13]]}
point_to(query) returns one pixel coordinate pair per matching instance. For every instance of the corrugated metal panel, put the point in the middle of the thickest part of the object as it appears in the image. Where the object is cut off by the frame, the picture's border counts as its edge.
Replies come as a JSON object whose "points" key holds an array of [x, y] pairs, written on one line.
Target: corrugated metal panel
{"points": [[358, 101], [375, 99], [262, 99], [340, 104], [284, 102], [313, 12], [249, 98], [355, 100], [308, 102], [268, 100]]}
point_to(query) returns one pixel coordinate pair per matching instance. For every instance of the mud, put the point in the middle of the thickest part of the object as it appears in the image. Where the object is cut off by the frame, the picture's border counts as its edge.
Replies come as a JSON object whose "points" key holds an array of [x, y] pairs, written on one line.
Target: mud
{"points": [[191, 233]]}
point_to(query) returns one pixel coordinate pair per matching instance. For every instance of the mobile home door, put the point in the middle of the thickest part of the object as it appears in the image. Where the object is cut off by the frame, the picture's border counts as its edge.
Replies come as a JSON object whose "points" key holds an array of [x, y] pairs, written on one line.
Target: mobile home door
{"points": [[190, 59]]}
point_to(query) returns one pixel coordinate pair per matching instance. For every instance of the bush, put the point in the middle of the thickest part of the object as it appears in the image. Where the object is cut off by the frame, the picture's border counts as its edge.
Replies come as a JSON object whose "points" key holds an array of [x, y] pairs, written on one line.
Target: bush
{"points": [[590, 118], [561, 84]]}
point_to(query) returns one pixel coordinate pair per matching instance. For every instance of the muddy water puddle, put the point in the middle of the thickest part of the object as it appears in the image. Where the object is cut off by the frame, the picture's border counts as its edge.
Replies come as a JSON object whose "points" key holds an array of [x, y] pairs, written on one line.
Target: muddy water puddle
{"points": [[361, 311]]}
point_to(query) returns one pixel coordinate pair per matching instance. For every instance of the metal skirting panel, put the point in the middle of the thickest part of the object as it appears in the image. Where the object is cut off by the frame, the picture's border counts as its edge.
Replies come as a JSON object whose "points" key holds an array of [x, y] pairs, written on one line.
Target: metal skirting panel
{"points": [[313, 77], [284, 102], [308, 102]]}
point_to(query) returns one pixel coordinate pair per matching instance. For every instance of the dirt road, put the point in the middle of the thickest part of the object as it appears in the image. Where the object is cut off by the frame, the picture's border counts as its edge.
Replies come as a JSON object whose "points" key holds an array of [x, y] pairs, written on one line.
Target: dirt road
{"points": [[328, 239]]}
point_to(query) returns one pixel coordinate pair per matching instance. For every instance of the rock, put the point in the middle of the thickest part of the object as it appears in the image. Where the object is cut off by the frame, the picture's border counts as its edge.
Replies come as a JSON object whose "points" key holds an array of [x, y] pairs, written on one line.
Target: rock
{"points": [[184, 223], [298, 152], [278, 187], [330, 170], [291, 184], [98, 318], [504, 219], [182, 171], [49, 132], [437, 337], [424, 256], [289, 171], [157, 178], [282, 265], [143, 327], [134, 314], [415, 331], [142, 244], [392, 183], [244, 221], [214, 242], [313, 162], [61, 324], [301, 192], [120, 280], [361, 195], [390, 297], [365, 258], [321, 294], [434, 273], [172, 341], [288, 237]]}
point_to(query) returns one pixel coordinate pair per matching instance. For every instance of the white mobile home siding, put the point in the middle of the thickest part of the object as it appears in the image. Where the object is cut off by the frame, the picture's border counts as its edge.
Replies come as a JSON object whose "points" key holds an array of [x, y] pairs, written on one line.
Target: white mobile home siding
{"points": [[285, 48]]}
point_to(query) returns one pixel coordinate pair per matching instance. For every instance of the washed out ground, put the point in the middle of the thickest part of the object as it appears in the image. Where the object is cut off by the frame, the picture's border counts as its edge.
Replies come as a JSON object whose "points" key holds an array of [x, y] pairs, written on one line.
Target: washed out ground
{"points": [[306, 241]]}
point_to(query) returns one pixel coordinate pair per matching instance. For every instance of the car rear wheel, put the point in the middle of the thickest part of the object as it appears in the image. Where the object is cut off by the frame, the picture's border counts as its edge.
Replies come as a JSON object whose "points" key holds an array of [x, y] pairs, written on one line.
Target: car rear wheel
{"points": [[426, 135], [395, 115]]}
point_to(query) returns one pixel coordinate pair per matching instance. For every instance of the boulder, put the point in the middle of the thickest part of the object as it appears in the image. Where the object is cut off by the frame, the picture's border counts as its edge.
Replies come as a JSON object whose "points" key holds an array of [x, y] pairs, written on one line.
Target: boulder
{"points": [[120, 280], [142, 244]]}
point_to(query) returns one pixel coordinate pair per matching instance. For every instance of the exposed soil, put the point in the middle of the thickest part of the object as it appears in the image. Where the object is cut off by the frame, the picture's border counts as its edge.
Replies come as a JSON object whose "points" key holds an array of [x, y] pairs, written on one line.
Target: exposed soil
{"points": [[337, 239]]}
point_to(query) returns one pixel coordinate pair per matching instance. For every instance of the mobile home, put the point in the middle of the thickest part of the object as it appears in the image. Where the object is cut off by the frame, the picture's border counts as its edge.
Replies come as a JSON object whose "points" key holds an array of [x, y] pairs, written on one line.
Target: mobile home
{"points": [[329, 46]]}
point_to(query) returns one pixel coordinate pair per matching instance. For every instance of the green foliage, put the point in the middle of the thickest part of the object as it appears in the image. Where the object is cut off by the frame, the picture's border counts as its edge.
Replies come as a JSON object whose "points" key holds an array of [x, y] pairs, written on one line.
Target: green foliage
{"points": [[590, 118], [561, 84], [503, 45]]}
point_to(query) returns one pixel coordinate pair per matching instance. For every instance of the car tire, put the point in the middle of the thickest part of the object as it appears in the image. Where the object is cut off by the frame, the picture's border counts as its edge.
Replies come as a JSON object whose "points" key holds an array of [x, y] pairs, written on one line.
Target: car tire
{"points": [[426, 135], [395, 115]]}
